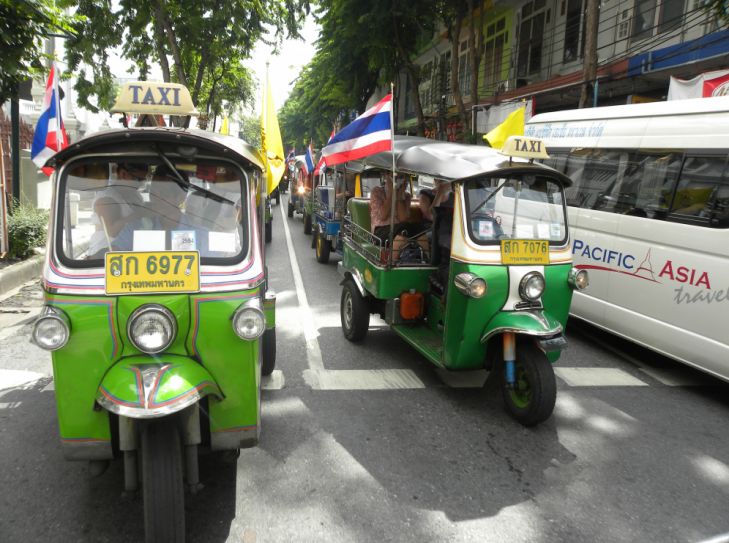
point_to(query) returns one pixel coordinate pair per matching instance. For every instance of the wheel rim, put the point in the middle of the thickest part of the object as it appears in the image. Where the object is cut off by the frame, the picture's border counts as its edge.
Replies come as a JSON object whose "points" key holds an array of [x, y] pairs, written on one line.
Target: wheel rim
{"points": [[318, 245], [348, 310], [521, 394]]}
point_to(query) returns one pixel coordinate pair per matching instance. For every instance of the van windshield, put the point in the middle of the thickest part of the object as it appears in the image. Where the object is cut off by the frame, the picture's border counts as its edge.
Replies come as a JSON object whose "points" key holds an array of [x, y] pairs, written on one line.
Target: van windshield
{"points": [[143, 205], [520, 207]]}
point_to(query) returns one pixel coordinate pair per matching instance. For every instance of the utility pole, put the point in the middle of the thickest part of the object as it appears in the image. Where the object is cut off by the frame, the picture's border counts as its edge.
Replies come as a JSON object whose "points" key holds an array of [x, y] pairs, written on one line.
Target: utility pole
{"points": [[589, 73], [15, 142]]}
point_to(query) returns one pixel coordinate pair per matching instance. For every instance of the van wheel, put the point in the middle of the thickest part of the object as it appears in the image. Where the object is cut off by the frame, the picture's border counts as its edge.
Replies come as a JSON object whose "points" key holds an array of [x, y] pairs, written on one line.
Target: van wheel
{"points": [[307, 223], [162, 487], [269, 352], [291, 210], [355, 313], [323, 248], [534, 394]]}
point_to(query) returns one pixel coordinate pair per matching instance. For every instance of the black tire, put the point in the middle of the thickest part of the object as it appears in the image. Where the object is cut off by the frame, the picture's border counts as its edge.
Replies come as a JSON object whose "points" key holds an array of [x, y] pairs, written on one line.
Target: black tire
{"points": [[162, 485], [268, 231], [269, 352], [354, 312], [278, 198], [307, 223], [532, 399], [291, 210], [323, 248]]}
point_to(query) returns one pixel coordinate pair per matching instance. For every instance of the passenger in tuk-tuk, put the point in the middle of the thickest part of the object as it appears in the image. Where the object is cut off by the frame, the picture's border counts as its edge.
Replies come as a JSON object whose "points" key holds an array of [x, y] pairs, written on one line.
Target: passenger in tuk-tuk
{"points": [[381, 204]]}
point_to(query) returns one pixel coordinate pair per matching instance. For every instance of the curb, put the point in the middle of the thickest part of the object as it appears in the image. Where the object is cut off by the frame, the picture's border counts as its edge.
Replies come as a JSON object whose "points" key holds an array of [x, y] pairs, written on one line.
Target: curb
{"points": [[20, 273]]}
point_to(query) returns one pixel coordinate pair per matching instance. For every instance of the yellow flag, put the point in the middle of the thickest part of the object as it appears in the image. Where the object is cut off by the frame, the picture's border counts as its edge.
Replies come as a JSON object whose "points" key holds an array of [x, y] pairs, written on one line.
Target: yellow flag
{"points": [[513, 125], [224, 126], [271, 144]]}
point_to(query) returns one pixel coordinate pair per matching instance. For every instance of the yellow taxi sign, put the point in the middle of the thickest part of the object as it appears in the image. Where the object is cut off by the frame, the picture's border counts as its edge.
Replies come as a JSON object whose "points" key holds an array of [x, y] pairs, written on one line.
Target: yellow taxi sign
{"points": [[524, 147], [154, 97]]}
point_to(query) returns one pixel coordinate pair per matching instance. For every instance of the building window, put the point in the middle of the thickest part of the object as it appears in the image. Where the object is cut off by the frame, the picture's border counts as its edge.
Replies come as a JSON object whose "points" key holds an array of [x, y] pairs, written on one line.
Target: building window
{"points": [[531, 35], [671, 15], [572, 49], [497, 39], [464, 68]]}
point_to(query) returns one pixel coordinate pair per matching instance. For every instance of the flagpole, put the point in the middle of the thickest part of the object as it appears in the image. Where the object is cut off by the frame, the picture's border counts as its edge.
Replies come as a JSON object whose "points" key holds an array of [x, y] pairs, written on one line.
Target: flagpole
{"points": [[393, 205], [264, 183]]}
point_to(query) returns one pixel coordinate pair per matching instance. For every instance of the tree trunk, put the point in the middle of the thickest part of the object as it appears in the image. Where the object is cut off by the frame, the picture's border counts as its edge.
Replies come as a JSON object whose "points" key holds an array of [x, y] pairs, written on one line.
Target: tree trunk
{"points": [[161, 13], [477, 47], [414, 89], [590, 63], [454, 33], [159, 41]]}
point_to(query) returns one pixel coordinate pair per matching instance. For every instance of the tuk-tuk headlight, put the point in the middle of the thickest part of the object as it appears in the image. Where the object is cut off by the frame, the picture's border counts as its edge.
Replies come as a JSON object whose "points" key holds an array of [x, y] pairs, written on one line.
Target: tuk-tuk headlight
{"points": [[470, 284], [300, 190], [52, 329], [531, 286], [249, 322], [578, 279], [152, 328]]}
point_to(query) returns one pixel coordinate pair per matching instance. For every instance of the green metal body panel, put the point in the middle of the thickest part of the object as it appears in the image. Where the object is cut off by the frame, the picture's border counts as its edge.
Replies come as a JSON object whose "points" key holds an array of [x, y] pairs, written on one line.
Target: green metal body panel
{"points": [[178, 378], [205, 342], [382, 283]]}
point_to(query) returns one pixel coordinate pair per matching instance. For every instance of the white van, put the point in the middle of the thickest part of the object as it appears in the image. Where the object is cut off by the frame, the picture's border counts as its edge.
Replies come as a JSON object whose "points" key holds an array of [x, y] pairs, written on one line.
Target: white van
{"points": [[649, 211]]}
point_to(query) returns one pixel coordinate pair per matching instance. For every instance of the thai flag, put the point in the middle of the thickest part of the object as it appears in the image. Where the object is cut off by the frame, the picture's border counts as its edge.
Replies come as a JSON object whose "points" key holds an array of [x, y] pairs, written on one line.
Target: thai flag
{"points": [[309, 159], [322, 165], [50, 134], [368, 134]]}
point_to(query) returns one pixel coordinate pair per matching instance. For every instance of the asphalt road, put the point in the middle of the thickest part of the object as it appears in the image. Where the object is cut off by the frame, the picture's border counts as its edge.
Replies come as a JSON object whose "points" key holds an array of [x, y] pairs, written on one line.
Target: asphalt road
{"points": [[367, 443]]}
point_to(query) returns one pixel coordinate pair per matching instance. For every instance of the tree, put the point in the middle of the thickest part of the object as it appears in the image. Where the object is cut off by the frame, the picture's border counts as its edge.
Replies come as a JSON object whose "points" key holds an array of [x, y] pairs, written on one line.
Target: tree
{"points": [[199, 43], [24, 24]]}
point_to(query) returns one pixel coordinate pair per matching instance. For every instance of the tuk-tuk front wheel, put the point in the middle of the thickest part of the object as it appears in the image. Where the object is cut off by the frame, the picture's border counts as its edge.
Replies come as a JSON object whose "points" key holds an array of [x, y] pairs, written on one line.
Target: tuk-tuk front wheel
{"points": [[269, 352], [291, 209], [354, 312], [532, 397], [162, 485], [268, 233], [323, 247]]}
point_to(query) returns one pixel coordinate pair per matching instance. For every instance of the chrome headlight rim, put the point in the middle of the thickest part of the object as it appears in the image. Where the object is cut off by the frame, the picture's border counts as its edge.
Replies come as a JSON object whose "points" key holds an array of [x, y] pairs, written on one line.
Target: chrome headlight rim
{"points": [[524, 285], [252, 307], [575, 279], [152, 308], [55, 314], [471, 285]]}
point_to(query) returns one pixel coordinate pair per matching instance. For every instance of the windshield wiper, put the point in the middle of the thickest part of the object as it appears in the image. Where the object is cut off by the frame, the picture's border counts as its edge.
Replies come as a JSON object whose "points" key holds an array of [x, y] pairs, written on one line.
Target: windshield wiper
{"points": [[185, 184]]}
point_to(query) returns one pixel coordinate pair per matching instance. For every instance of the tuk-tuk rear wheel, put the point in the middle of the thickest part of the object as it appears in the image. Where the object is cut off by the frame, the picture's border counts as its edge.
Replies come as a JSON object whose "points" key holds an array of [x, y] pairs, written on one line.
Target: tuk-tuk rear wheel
{"points": [[307, 223], [269, 352], [291, 210], [531, 400], [354, 313], [162, 484], [323, 248], [268, 231]]}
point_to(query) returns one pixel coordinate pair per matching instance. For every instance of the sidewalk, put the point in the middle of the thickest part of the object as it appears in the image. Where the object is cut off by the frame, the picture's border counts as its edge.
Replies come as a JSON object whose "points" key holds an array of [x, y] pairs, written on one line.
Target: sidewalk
{"points": [[18, 274]]}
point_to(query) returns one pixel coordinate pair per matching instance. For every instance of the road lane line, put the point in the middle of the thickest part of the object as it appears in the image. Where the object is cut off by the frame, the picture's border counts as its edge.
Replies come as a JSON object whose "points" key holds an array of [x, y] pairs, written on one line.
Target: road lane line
{"points": [[313, 352], [384, 379], [598, 377]]}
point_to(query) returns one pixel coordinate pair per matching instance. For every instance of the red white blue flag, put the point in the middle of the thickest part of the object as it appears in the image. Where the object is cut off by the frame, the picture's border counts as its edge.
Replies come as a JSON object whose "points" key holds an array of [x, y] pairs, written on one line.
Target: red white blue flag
{"points": [[309, 159], [368, 134], [322, 165], [50, 134]]}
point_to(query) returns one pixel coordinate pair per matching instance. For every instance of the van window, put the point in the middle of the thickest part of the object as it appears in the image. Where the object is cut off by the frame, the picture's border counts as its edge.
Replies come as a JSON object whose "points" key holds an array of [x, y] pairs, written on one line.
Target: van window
{"points": [[701, 192]]}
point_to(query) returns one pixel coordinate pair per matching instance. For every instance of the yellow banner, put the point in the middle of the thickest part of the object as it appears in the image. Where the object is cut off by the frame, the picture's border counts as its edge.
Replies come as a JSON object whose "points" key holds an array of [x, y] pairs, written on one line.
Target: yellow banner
{"points": [[152, 273], [513, 125], [271, 144]]}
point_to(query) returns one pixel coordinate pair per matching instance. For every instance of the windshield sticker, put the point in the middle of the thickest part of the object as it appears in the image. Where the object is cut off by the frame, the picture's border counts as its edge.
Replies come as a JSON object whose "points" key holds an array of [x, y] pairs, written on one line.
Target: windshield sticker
{"points": [[148, 240], [183, 240], [543, 231], [524, 231], [556, 230], [221, 242], [485, 229]]}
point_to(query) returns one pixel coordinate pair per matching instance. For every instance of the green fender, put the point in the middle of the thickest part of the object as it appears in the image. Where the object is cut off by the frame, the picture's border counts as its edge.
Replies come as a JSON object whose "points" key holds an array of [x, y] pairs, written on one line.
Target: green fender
{"points": [[530, 323], [142, 387]]}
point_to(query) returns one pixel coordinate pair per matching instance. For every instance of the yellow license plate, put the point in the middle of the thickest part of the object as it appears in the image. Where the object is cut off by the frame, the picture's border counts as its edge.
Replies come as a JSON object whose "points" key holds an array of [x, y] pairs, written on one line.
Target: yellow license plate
{"points": [[524, 252], [156, 272]]}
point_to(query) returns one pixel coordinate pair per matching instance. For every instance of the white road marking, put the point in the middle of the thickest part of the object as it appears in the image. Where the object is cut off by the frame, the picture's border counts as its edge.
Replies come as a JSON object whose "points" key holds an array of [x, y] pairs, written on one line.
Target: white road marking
{"points": [[16, 378], [598, 377], [313, 352], [392, 379], [275, 381]]}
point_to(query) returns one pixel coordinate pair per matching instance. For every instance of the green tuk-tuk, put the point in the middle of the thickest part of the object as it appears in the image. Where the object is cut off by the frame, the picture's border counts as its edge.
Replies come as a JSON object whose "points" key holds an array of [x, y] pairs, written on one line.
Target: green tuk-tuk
{"points": [[492, 289], [157, 309]]}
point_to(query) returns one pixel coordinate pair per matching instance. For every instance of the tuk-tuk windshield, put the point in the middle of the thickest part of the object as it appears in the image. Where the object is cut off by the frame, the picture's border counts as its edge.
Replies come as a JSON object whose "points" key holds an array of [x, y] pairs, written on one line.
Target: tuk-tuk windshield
{"points": [[110, 204], [524, 206]]}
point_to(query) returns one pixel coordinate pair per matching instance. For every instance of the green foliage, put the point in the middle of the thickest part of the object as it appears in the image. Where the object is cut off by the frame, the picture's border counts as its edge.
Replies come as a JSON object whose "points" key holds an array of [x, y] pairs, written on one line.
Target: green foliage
{"points": [[199, 43], [27, 229], [24, 24], [250, 130]]}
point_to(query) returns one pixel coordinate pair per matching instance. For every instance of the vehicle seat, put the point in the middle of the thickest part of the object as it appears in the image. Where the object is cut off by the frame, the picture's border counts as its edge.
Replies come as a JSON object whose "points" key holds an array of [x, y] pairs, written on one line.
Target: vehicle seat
{"points": [[359, 212], [325, 195]]}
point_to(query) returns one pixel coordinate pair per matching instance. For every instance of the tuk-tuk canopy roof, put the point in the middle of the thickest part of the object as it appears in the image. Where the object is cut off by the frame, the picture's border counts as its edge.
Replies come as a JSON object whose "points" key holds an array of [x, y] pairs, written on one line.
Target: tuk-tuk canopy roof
{"points": [[107, 141], [446, 160]]}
